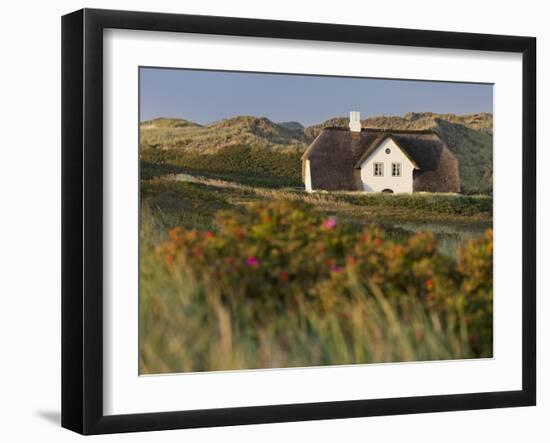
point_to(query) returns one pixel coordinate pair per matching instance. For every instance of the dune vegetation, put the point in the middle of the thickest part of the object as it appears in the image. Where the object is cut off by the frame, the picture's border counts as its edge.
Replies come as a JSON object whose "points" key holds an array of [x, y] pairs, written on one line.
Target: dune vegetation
{"points": [[279, 284], [272, 151]]}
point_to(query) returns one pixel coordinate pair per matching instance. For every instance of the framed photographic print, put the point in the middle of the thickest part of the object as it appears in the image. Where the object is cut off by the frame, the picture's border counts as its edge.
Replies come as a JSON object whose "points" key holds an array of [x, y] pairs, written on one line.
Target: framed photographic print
{"points": [[269, 221]]}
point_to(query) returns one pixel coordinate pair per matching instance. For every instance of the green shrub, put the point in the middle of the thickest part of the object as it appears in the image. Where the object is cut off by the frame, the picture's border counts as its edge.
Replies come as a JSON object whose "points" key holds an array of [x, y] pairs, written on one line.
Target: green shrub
{"points": [[451, 204]]}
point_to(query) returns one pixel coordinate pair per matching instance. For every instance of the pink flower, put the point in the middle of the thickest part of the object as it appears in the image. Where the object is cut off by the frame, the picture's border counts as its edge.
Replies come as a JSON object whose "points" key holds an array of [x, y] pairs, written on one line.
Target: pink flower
{"points": [[335, 268], [330, 223], [252, 261]]}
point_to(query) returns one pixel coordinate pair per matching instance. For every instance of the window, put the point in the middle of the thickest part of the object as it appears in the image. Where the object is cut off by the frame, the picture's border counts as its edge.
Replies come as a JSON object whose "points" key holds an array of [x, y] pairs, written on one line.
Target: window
{"points": [[396, 169], [378, 169]]}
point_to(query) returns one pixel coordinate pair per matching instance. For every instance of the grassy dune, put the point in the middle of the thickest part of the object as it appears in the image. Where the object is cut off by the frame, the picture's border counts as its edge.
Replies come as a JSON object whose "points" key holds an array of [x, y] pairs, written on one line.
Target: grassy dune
{"points": [[248, 148], [239, 163], [179, 196], [180, 134]]}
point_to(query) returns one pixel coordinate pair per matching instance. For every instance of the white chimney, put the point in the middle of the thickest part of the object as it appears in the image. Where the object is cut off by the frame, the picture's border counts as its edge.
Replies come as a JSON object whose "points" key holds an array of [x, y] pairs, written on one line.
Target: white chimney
{"points": [[355, 121]]}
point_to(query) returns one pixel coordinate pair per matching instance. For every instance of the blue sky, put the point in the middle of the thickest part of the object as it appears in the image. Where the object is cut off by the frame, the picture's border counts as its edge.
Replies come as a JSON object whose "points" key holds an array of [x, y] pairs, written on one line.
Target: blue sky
{"points": [[207, 96]]}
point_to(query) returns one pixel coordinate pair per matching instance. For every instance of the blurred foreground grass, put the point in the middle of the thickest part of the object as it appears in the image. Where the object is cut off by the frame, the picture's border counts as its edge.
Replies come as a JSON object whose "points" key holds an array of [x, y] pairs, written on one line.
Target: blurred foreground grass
{"points": [[280, 284]]}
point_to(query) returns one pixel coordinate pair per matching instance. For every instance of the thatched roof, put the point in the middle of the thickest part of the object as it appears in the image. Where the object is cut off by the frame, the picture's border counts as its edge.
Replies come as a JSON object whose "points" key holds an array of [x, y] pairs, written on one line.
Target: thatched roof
{"points": [[337, 153]]}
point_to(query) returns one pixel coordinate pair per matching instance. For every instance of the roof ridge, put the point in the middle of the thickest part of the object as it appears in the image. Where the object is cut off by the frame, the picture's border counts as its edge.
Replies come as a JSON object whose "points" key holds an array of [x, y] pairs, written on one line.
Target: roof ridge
{"points": [[383, 130]]}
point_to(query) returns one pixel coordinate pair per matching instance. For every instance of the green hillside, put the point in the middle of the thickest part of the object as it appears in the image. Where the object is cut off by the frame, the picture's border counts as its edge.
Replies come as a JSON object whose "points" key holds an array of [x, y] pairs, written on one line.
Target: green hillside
{"points": [[180, 134], [293, 126], [255, 149], [474, 150]]}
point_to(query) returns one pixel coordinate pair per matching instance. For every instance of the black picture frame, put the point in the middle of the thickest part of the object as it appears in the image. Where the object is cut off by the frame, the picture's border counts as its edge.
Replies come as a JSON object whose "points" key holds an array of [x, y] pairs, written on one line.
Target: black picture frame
{"points": [[82, 218]]}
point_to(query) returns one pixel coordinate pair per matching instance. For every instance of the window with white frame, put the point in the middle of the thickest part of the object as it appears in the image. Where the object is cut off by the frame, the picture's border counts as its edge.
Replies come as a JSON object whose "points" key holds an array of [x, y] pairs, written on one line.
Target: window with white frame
{"points": [[378, 169], [396, 169]]}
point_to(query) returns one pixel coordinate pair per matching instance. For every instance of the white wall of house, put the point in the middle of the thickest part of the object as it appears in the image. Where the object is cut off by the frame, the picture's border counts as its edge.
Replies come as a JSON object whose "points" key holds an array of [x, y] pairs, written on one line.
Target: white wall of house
{"points": [[399, 184], [308, 177]]}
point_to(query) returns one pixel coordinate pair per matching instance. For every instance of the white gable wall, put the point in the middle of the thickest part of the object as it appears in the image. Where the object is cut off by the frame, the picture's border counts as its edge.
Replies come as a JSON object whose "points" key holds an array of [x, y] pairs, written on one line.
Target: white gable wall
{"points": [[308, 176], [372, 183]]}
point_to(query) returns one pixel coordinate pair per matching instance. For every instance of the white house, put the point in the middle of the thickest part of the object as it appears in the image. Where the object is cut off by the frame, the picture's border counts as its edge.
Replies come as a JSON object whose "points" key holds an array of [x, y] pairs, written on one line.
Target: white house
{"points": [[375, 160], [387, 168]]}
